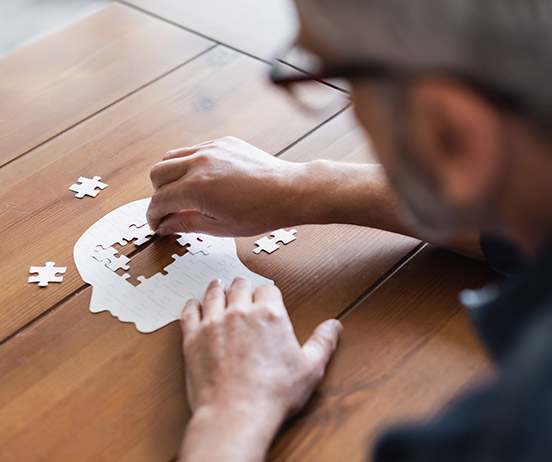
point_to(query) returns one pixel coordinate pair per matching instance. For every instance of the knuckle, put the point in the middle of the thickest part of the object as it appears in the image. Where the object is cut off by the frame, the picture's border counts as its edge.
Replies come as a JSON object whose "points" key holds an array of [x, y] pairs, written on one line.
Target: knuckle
{"points": [[214, 293], [273, 290], [228, 139], [156, 170], [271, 314], [268, 289], [204, 157], [212, 325], [156, 204], [170, 154], [236, 312], [234, 139]]}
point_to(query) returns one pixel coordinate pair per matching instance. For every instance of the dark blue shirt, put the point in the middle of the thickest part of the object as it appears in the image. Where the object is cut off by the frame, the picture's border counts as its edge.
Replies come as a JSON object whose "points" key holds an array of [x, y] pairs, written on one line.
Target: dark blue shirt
{"points": [[509, 419]]}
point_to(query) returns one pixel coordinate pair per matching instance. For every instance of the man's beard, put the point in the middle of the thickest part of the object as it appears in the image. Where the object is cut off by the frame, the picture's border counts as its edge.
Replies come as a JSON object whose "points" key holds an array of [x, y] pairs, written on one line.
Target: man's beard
{"points": [[420, 199]]}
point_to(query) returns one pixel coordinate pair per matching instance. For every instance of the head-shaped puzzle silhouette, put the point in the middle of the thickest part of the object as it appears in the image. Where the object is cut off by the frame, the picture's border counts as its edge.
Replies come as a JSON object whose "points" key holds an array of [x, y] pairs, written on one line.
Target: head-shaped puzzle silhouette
{"points": [[158, 300]]}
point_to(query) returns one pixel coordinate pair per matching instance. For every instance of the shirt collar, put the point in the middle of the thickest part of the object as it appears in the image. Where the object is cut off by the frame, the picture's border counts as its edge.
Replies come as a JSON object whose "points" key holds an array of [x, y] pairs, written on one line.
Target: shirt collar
{"points": [[500, 316]]}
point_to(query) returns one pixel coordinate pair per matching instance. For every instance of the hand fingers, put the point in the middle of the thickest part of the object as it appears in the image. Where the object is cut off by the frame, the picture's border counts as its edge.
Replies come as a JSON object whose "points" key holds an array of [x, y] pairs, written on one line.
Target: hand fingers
{"points": [[168, 171], [172, 198], [185, 151], [240, 294], [268, 294], [189, 320], [180, 152], [214, 301], [320, 346], [189, 221]]}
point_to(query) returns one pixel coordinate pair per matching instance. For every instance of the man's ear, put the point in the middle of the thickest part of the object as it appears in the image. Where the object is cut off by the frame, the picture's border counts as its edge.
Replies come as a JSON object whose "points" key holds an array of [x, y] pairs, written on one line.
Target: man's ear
{"points": [[459, 134]]}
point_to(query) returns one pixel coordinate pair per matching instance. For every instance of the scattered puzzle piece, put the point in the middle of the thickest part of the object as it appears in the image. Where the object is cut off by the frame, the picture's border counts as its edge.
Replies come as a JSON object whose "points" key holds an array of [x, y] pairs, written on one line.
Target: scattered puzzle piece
{"points": [[266, 244], [271, 245], [142, 234], [108, 257], [283, 236], [87, 187], [46, 274], [197, 243]]}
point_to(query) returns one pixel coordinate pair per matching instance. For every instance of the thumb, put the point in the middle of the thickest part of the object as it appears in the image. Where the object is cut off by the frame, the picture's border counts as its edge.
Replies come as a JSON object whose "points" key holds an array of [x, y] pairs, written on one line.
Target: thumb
{"points": [[320, 346], [186, 222]]}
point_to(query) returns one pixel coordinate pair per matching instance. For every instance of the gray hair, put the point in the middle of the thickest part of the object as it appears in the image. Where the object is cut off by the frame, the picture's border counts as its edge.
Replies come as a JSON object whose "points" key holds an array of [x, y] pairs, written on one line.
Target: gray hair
{"points": [[507, 43]]}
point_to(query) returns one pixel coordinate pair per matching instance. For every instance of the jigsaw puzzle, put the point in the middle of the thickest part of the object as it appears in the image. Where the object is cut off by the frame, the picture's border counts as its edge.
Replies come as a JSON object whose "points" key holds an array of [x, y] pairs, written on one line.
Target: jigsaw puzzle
{"points": [[141, 233], [158, 300], [46, 274], [271, 245], [197, 242], [87, 187], [108, 257]]}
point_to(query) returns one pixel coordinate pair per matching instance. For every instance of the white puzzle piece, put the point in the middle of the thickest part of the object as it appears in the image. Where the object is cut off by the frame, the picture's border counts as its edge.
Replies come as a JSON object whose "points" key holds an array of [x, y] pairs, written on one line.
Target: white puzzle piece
{"points": [[108, 257], [46, 273], [266, 244], [197, 242], [158, 300], [87, 187], [271, 245], [142, 234]]}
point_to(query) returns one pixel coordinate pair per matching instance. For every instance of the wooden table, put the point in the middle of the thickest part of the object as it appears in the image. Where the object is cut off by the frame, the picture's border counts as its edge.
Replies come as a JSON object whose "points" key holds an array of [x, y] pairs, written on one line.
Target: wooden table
{"points": [[108, 96]]}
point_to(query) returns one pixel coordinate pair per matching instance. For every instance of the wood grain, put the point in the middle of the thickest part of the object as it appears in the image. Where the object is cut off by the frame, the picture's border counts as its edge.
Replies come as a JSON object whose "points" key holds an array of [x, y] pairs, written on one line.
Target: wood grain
{"points": [[404, 352], [78, 386], [72, 369], [260, 28], [56, 82], [218, 94]]}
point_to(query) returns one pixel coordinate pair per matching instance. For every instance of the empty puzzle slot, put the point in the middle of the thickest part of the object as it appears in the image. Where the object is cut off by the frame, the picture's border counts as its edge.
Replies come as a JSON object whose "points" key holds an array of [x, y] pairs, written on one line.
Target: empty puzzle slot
{"points": [[153, 259]]}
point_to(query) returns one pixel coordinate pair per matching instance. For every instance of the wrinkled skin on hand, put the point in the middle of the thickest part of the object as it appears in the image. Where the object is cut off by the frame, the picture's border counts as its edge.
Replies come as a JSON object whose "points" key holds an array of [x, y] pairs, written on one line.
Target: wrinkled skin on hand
{"points": [[241, 351], [224, 187]]}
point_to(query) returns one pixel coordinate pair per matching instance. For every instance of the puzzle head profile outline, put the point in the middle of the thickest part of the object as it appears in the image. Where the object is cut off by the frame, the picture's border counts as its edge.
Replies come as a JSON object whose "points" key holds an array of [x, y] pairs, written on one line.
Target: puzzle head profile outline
{"points": [[156, 301]]}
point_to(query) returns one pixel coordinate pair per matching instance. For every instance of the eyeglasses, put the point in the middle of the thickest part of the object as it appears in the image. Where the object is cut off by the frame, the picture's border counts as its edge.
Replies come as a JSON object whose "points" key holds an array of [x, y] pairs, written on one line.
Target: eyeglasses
{"points": [[300, 71]]}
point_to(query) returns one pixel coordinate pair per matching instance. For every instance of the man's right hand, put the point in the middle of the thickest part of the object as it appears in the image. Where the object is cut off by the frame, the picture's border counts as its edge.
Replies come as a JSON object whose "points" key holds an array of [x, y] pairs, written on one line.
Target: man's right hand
{"points": [[225, 187]]}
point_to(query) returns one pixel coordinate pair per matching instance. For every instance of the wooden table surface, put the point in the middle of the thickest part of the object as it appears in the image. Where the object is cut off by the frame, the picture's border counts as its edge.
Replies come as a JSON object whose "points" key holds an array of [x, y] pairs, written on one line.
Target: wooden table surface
{"points": [[108, 96]]}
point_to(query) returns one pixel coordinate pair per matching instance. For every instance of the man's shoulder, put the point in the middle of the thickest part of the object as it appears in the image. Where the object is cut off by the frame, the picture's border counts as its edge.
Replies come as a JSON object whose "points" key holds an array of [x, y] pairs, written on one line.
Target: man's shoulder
{"points": [[509, 418]]}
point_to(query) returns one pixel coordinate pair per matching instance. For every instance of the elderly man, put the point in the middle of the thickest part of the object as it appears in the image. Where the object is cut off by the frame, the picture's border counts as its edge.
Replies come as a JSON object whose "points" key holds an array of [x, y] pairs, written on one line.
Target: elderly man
{"points": [[455, 97]]}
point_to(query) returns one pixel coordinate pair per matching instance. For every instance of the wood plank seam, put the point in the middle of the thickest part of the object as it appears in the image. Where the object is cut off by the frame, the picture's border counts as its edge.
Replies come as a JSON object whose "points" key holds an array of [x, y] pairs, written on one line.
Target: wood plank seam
{"points": [[383, 279], [199, 34], [69, 296], [168, 21], [372, 288], [113, 103], [256, 71], [53, 308], [309, 133]]}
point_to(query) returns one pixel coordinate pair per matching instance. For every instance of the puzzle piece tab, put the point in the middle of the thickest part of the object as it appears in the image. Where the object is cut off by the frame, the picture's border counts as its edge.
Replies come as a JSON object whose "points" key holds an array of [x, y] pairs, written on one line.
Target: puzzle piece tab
{"points": [[197, 243], [283, 236], [266, 244], [142, 234], [46, 274], [108, 257], [271, 245], [87, 187]]}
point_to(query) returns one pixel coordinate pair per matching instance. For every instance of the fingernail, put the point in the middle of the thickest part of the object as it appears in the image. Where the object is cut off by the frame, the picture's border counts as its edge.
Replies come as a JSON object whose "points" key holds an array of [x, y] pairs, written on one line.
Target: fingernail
{"points": [[164, 231], [337, 326], [217, 282]]}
